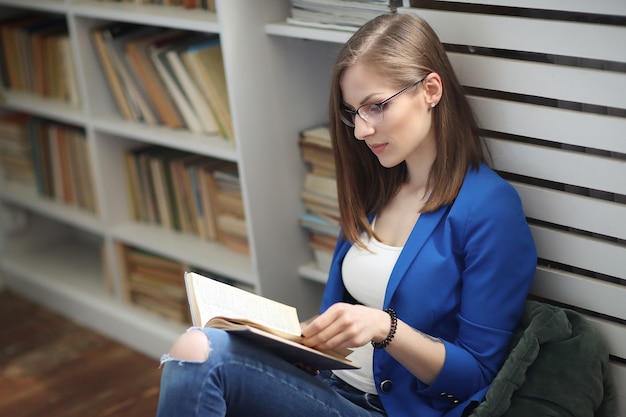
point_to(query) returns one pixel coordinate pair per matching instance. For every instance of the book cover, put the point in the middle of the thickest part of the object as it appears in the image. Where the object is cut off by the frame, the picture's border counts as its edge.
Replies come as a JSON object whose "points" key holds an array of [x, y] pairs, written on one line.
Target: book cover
{"points": [[142, 157], [208, 195], [178, 179], [115, 36], [158, 51], [111, 75], [54, 79], [77, 179], [138, 206], [41, 157], [194, 183], [164, 187], [138, 53], [71, 93], [198, 102], [206, 66]]}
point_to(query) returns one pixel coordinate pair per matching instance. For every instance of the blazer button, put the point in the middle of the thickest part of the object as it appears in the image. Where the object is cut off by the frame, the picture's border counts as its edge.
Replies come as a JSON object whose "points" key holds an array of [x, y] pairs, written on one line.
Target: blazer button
{"points": [[386, 385]]}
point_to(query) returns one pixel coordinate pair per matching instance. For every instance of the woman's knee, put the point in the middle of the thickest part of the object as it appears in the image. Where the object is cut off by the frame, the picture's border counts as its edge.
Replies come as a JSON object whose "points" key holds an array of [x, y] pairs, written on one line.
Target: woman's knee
{"points": [[191, 346]]}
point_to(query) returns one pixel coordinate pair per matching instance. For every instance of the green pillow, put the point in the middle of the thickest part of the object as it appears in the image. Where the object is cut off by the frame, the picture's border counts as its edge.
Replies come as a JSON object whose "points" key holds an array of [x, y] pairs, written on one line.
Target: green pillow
{"points": [[557, 366]]}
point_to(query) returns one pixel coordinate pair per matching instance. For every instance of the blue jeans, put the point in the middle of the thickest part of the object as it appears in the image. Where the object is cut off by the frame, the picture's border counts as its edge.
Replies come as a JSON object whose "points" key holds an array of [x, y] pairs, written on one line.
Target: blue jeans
{"points": [[238, 379]]}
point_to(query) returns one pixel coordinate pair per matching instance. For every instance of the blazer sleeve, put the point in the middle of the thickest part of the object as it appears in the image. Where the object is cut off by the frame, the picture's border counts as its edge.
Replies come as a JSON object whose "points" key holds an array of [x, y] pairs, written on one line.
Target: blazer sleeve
{"points": [[498, 258]]}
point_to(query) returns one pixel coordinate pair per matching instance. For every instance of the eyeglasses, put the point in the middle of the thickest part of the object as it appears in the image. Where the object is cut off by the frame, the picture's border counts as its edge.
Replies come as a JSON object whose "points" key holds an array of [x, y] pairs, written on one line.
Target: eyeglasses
{"points": [[371, 112]]}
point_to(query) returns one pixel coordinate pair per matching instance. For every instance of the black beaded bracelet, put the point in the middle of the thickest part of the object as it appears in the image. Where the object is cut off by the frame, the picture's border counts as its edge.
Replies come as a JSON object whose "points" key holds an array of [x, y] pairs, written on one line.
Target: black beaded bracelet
{"points": [[392, 330]]}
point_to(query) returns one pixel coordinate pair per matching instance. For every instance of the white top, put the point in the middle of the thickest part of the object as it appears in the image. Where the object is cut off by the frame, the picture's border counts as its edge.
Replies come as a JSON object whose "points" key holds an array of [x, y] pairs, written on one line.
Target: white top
{"points": [[365, 276]]}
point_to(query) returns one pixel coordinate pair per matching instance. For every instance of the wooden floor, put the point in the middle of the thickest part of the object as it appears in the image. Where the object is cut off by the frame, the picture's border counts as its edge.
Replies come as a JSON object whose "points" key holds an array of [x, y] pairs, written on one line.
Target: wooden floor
{"points": [[52, 367]]}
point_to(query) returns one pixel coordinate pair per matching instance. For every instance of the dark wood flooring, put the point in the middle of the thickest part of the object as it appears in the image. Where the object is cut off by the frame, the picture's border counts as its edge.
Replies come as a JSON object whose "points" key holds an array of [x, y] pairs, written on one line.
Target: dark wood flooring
{"points": [[51, 367]]}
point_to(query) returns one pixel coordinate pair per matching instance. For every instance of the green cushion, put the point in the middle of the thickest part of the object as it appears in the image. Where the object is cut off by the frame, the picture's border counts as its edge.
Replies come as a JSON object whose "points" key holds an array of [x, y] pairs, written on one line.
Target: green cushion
{"points": [[557, 366]]}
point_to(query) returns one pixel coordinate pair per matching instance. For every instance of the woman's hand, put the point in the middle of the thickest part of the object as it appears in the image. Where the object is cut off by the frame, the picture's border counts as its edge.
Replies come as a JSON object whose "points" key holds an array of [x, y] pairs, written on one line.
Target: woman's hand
{"points": [[345, 326]]}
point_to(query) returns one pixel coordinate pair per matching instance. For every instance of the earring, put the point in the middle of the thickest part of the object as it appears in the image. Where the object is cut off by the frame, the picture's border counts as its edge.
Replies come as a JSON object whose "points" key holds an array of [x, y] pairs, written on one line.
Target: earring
{"points": [[433, 105]]}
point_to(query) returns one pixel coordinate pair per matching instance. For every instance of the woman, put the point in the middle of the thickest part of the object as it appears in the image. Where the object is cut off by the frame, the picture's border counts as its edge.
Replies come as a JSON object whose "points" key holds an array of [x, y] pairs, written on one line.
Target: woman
{"points": [[431, 271]]}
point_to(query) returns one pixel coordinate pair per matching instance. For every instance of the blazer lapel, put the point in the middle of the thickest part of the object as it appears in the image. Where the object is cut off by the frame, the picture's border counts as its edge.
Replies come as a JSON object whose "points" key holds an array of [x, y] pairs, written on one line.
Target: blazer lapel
{"points": [[422, 230]]}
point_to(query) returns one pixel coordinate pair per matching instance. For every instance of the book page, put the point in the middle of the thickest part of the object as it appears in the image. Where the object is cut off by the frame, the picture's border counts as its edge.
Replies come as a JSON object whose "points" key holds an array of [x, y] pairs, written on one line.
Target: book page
{"points": [[213, 298]]}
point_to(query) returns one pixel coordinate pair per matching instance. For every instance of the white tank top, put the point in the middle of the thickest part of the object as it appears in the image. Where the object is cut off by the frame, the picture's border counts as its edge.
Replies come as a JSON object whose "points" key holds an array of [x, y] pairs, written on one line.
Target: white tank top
{"points": [[365, 276]]}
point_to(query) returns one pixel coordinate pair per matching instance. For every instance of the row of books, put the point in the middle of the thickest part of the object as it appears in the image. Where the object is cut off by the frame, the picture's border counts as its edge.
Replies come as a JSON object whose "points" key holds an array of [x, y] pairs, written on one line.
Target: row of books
{"points": [[319, 194], [168, 77], [338, 14], [156, 283], [188, 4], [190, 193], [49, 156], [37, 57]]}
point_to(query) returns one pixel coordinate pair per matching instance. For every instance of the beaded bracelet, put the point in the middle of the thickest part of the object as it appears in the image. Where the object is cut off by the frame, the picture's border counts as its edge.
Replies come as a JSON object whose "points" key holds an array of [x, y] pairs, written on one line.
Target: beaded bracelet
{"points": [[392, 330]]}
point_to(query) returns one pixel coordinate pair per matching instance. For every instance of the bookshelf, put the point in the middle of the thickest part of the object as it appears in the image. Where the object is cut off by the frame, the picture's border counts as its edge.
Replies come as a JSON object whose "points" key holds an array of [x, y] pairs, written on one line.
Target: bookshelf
{"points": [[65, 257]]}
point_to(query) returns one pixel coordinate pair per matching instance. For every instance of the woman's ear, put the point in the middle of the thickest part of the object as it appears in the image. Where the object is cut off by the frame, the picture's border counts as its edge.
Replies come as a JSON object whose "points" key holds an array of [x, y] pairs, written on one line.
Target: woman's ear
{"points": [[433, 89]]}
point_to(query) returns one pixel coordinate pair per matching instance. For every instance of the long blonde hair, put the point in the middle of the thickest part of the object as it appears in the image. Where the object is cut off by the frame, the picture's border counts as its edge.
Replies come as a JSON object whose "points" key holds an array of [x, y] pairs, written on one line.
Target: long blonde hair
{"points": [[402, 48]]}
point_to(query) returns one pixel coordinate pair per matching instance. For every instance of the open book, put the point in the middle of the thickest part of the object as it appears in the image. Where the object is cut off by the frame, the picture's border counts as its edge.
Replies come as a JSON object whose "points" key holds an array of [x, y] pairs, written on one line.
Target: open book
{"points": [[269, 324]]}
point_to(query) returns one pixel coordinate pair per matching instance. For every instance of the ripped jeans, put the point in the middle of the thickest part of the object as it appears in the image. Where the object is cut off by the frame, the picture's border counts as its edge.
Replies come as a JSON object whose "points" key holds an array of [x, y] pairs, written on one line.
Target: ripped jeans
{"points": [[238, 379]]}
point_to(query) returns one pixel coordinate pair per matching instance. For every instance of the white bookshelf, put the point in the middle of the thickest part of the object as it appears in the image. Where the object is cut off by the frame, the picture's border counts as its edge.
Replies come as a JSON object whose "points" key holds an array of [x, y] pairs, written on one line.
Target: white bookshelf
{"points": [[276, 87]]}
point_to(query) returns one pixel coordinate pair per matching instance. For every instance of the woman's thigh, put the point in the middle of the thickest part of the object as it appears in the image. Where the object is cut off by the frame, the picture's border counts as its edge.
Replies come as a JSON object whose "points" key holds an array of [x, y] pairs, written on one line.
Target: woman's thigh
{"points": [[237, 379]]}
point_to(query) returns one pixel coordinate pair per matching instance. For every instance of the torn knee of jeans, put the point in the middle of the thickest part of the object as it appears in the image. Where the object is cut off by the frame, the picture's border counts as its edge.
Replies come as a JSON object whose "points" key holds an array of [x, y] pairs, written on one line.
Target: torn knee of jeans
{"points": [[192, 346]]}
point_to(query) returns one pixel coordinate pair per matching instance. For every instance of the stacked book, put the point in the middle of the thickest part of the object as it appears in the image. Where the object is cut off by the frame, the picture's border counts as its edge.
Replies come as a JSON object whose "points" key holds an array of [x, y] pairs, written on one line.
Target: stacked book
{"points": [[165, 77], [157, 283], [339, 14], [186, 192], [188, 4], [36, 57], [319, 194], [154, 282], [15, 149], [231, 223], [49, 156]]}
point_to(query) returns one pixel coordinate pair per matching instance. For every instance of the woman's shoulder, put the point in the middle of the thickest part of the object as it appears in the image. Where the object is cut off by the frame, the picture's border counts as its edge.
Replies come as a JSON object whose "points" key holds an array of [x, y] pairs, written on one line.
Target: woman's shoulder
{"points": [[486, 189]]}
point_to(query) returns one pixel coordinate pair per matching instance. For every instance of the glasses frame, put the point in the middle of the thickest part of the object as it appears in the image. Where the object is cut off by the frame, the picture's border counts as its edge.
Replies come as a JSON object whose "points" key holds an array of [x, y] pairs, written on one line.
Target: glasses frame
{"points": [[349, 121]]}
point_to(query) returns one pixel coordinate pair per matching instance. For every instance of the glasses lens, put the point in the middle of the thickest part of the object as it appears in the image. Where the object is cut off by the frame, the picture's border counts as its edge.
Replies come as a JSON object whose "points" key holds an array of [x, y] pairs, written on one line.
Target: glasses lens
{"points": [[372, 113]]}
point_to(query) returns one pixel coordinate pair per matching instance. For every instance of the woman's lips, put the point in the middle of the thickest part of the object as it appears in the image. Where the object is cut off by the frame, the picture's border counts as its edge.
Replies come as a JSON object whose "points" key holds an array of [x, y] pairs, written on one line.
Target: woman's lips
{"points": [[378, 148]]}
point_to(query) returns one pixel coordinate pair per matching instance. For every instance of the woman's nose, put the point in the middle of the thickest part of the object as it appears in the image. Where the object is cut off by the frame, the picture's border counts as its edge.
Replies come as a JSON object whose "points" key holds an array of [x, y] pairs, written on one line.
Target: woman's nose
{"points": [[362, 129]]}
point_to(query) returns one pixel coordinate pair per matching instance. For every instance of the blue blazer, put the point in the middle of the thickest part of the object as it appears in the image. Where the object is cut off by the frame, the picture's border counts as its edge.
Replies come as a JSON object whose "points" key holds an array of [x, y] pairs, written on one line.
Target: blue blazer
{"points": [[463, 276]]}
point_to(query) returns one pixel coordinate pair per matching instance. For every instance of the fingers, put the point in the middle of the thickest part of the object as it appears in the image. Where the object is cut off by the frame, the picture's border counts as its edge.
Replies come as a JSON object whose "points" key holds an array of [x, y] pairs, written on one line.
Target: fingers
{"points": [[322, 330], [341, 326]]}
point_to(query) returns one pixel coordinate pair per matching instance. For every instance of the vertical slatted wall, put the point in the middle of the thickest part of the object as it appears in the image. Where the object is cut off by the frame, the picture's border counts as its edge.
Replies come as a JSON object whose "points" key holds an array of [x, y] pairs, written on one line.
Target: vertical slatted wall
{"points": [[549, 88]]}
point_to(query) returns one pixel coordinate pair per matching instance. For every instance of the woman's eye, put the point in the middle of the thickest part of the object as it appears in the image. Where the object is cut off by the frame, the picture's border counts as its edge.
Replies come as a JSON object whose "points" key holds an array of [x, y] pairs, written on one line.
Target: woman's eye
{"points": [[373, 109]]}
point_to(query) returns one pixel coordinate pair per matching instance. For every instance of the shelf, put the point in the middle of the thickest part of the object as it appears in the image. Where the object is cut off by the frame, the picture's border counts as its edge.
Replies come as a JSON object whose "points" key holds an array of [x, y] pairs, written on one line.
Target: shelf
{"points": [[305, 32], [67, 277], [74, 266], [312, 272], [148, 14], [45, 107], [27, 197], [210, 145], [39, 5], [188, 249]]}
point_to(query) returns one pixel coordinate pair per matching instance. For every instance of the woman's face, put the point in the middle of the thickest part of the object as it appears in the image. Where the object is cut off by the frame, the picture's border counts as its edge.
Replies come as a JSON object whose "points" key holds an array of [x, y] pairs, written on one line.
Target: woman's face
{"points": [[406, 132]]}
